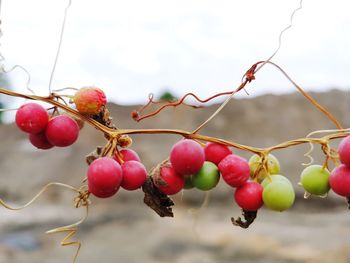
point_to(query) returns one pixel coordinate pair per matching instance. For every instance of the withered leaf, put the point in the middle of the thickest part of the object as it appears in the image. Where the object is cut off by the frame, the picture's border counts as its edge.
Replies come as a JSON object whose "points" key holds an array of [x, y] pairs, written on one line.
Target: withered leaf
{"points": [[249, 217], [156, 200]]}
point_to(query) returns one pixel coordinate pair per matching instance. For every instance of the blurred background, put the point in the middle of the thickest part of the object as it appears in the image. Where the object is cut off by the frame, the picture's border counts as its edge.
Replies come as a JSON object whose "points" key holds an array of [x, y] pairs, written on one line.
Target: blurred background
{"points": [[130, 49]]}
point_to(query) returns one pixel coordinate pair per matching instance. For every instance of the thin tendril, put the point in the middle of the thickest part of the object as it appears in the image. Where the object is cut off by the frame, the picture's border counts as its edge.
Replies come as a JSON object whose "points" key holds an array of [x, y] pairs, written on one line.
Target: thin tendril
{"points": [[63, 89], [44, 189], [308, 154], [256, 70], [281, 35], [59, 44], [25, 71], [81, 200], [72, 230]]}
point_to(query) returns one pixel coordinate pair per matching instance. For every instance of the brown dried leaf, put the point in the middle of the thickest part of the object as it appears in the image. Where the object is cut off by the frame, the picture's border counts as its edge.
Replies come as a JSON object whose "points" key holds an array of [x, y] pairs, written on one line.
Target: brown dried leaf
{"points": [[249, 217], [156, 200]]}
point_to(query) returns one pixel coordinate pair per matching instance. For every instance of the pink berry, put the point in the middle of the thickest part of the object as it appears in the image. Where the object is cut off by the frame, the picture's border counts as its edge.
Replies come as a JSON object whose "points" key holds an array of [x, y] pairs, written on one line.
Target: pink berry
{"points": [[187, 157], [174, 181], [104, 177], [344, 151], [127, 155], [62, 131], [215, 152], [32, 118], [234, 170], [101, 194], [339, 180], [249, 196], [134, 175], [90, 100], [40, 141]]}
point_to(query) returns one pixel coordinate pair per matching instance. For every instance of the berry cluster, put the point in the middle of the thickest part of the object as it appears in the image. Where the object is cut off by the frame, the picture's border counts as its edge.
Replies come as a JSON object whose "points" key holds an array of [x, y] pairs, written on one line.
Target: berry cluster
{"points": [[106, 175], [191, 165], [317, 180], [45, 132]]}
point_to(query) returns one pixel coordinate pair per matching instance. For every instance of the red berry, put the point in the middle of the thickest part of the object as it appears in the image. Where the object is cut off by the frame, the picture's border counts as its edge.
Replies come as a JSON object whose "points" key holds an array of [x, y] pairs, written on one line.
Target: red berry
{"points": [[101, 194], [90, 100], [215, 152], [174, 181], [62, 131], [344, 151], [249, 196], [339, 180], [32, 118], [40, 141], [134, 175], [234, 170], [187, 157], [104, 177], [127, 155]]}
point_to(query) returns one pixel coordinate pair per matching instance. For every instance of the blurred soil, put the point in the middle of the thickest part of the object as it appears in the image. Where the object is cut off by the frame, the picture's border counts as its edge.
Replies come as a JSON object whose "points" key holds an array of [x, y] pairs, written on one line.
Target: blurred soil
{"points": [[122, 229]]}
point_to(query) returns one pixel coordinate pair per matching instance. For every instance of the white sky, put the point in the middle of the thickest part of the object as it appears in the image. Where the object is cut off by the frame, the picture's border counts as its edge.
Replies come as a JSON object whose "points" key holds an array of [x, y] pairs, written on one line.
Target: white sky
{"points": [[131, 48]]}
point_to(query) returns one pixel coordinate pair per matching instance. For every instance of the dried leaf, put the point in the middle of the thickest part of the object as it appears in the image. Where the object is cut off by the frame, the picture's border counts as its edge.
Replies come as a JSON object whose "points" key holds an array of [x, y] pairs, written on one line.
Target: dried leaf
{"points": [[156, 200], [249, 217]]}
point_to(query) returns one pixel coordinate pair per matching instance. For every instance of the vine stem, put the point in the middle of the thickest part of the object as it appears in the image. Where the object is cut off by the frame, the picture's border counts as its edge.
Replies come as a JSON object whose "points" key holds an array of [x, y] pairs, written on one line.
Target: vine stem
{"points": [[113, 134]]}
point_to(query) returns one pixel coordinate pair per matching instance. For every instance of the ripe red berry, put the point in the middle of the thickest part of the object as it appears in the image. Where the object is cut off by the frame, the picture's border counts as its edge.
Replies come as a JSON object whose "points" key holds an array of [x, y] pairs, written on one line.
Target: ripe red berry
{"points": [[344, 151], [104, 177], [127, 155], [62, 131], [249, 196], [32, 118], [134, 175], [215, 152], [339, 180], [101, 194], [174, 181], [187, 157], [234, 170], [40, 141]]}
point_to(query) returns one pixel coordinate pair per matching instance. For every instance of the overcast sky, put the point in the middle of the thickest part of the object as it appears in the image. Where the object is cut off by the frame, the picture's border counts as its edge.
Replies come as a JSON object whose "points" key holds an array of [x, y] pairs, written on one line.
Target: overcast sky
{"points": [[131, 48]]}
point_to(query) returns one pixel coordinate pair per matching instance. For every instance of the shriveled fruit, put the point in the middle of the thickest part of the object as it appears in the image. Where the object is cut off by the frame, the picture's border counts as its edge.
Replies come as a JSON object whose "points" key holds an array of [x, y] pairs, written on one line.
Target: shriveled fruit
{"points": [[344, 151], [215, 152], [62, 131], [315, 179], [207, 177], [40, 141], [134, 175], [339, 180], [187, 157], [174, 182], [275, 177], [32, 118], [249, 196], [255, 162], [127, 155], [278, 195], [90, 100], [104, 177], [234, 170]]}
